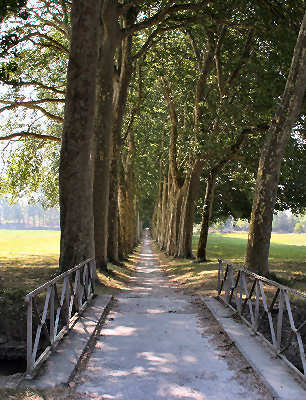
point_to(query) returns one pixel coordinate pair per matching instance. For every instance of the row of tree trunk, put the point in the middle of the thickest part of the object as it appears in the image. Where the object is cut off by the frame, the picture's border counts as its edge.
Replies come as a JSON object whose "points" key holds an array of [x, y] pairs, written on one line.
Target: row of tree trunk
{"points": [[99, 216]]}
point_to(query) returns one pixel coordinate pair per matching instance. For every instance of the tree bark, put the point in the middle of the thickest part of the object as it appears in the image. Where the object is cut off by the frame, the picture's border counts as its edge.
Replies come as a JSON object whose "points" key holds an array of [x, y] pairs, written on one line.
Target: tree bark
{"points": [[210, 190], [113, 216], [164, 216], [258, 246], [110, 35], [192, 184], [120, 100], [207, 209], [75, 171]]}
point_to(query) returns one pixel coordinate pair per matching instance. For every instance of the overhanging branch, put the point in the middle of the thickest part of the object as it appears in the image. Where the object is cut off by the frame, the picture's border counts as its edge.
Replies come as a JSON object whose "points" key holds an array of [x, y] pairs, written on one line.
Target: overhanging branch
{"points": [[32, 135]]}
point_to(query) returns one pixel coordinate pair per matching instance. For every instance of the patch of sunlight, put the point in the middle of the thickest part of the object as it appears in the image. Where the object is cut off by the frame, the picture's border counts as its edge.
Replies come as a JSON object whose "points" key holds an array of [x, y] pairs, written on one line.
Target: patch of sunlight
{"points": [[157, 359], [190, 359], [154, 311], [179, 392], [120, 331]]}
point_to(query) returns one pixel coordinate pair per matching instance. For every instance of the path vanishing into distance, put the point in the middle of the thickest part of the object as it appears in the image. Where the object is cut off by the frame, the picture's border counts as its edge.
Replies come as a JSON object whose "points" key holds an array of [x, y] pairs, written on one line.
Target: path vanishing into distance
{"points": [[158, 343]]}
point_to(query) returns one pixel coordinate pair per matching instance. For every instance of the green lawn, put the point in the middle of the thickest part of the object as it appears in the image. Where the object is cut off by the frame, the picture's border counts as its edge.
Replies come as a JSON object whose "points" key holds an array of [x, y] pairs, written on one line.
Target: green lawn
{"points": [[284, 247], [29, 243], [287, 261], [29, 257]]}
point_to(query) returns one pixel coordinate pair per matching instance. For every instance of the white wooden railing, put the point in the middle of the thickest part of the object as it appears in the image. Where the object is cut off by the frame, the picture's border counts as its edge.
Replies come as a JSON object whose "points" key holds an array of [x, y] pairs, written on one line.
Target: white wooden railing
{"points": [[274, 311], [64, 298]]}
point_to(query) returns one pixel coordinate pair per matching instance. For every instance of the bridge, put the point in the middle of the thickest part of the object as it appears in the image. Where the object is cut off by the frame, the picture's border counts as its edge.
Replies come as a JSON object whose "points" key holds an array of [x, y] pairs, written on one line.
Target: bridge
{"points": [[152, 341]]}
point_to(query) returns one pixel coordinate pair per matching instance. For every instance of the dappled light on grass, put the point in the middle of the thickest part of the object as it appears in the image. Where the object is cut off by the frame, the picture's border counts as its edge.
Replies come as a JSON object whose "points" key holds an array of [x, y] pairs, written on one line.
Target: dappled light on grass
{"points": [[27, 258], [27, 271], [287, 261], [119, 278], [200, 278]]}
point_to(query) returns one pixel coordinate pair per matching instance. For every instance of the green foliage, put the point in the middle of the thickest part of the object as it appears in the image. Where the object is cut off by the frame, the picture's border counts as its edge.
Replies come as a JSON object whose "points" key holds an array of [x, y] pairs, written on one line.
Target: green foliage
{"points": [[32, 171], [292, 191], [37, 51], [300, 226], [9, 7], [33, 68]]}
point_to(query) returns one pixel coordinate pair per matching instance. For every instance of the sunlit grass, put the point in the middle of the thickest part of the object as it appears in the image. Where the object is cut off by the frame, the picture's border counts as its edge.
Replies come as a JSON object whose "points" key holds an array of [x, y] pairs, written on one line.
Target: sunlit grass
{"points": [[28, 258], [29, 242], [287, 261]]}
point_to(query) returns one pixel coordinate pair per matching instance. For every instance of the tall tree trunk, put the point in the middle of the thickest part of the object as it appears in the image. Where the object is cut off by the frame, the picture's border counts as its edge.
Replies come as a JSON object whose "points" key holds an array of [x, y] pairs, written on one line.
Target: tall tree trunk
{"points": [[110, 33], [158, 214], [123, 215], [210, 189], [75, 171], [207, 208], [174, 208], [125, 73], [258, 246], [130, 193], [164, 216], [184, 248], [113, 216]]}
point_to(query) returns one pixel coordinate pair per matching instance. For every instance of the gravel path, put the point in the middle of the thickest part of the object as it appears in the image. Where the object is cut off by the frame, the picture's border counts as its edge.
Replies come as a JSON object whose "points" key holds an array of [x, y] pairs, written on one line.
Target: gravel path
{"points": [[158, 343]]}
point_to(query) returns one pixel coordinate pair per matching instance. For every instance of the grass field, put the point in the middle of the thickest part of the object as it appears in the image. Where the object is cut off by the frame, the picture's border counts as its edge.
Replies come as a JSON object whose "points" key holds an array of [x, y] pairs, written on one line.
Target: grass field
{"points": [[287, 261], [31, 257], [27, 258]]}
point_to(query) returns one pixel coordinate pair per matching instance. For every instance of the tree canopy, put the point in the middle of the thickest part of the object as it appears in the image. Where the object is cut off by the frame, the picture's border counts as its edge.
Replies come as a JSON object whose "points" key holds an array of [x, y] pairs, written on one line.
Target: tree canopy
{"points": [[187, 91]]}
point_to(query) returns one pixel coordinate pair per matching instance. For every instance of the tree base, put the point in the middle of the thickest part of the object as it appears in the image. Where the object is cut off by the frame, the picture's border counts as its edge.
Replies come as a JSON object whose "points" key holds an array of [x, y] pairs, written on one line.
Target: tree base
{"points": [[117, 263], [201, 260]]}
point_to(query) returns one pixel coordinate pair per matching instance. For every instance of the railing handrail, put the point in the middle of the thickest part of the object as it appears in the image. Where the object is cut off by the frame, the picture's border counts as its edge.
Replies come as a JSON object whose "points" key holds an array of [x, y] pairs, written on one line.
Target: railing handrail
{"points": [[54, 280], [250, 301], [263, 278], [62, 307]]}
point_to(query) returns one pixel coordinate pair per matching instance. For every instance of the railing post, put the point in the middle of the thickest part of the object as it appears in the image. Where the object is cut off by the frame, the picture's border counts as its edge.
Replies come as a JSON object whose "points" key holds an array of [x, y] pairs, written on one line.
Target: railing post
{"points": [[93, 275], [67, 302], [280, 320], [219, 276], [29, 336], [52, 316]]}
